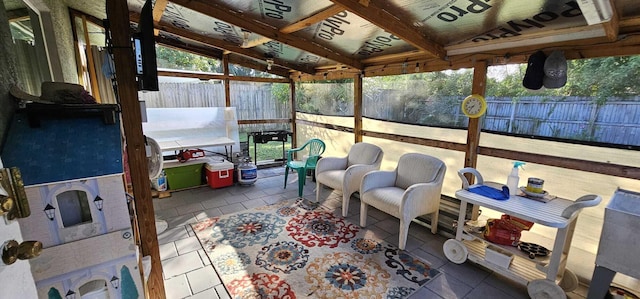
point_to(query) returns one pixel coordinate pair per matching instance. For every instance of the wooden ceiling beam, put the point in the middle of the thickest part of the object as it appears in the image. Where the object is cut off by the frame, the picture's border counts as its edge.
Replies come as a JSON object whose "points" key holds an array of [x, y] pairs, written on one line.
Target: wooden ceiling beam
{"points": [[580, 49], [17, 15], [250, 63], [208, 52], [90, 18], [236, 18], [158, 11], [202, 76], [299, 25], [223, 45], [256, 42], [386, 18], [404, 56], [537, 40], [612, 27], [312, 19], [630, 22], [217, 54]]}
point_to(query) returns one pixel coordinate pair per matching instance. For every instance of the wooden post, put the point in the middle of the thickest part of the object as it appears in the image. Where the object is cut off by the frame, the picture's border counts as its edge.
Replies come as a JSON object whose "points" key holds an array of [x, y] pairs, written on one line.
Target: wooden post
{"points": [[95, 89], [292, 104], [227, 82], [118, 15], [357, 108], [473, 131]]}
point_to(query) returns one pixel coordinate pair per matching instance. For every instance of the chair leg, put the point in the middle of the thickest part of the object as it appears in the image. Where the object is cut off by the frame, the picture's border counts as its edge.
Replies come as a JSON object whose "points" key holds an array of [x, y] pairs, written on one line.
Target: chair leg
{"points": [[434, 222], [363, 213], [345, 204], [286, 175], [404, 231], [302, 176], [318, 191]]}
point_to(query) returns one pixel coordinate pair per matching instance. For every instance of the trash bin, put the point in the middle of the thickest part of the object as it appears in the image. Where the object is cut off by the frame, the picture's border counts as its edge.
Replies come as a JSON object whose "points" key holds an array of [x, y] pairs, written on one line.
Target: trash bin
{"points": [[619, 247]]}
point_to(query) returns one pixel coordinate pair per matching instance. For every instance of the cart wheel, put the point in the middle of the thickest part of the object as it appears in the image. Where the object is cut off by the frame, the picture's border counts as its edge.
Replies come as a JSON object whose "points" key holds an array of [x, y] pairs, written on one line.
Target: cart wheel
{"points": [[569, 281], [545, 289], [455, 251]]}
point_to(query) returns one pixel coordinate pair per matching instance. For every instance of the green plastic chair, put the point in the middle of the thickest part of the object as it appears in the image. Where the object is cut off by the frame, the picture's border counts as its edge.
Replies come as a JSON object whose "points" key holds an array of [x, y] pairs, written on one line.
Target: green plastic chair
{"points": [[316, 148]]}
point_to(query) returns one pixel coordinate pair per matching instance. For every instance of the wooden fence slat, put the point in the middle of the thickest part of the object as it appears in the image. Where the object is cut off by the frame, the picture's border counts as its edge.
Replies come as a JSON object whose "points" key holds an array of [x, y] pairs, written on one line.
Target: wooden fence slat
{"points": [[616, 121]]}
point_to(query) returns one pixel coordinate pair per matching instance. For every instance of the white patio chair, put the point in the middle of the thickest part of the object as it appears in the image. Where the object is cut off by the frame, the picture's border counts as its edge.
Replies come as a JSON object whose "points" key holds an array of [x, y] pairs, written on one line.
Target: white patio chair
{"points": [[345, 173], [411, 190]]}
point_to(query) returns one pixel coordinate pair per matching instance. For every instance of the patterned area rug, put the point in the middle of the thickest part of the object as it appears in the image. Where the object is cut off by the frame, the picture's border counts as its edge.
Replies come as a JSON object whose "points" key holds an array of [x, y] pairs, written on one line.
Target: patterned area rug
{"points": [[298, 249]]}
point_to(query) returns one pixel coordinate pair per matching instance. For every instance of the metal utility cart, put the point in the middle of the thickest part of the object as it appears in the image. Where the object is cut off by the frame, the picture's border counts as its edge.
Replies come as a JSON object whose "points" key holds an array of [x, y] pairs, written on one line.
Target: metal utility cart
{"points": [[544, 278]]}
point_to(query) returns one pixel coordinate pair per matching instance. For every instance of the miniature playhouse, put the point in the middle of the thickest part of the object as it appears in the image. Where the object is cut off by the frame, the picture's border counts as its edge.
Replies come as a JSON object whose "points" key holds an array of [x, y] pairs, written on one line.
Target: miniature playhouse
{"points": [[73, 175]]}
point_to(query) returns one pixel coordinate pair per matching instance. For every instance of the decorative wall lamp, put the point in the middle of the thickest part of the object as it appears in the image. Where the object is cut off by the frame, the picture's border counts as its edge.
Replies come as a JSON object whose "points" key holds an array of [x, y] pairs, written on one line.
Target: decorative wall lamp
{"points": [[70, 295], [50, 211], [115, 282], [98, 201], [12, 251]]}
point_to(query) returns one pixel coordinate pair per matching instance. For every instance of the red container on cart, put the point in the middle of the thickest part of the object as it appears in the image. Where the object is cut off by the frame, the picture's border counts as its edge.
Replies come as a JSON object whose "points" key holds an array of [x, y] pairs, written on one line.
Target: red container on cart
{"points": [[219, 173]]}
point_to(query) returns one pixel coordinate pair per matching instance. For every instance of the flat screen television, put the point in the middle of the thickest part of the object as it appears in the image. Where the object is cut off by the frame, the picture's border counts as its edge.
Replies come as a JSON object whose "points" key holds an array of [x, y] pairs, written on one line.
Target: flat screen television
{"points": [[144, 44]]}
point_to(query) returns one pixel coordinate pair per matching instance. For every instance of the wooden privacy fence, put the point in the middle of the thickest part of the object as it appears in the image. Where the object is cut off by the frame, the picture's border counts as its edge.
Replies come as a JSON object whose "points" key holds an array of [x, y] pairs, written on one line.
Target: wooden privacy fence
{"points": [[616, 121], [252, 100], [579, 118]]}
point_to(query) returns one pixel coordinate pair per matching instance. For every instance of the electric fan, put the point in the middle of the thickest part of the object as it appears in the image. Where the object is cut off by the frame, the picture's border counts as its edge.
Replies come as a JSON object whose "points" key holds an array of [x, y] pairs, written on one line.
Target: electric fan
{"points": [[154, 164], [154, 158]]}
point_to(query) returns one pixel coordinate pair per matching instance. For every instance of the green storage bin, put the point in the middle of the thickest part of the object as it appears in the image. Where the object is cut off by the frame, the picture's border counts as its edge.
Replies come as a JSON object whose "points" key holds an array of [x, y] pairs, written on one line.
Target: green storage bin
{"points": [[184, 176]]}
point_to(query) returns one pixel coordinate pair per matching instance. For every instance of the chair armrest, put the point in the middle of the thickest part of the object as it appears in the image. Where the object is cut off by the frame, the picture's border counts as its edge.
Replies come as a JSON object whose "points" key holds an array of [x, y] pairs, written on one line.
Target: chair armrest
{"points": [[290, 152], [412, 199], [582, 202], [359, 170], [465, 182], [353, 176], [331, 163], [376, 179]]}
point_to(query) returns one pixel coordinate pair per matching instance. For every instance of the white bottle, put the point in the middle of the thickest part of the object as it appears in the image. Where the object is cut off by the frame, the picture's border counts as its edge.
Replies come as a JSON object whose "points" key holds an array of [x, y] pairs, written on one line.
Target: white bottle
{"points": [[513, 179]]}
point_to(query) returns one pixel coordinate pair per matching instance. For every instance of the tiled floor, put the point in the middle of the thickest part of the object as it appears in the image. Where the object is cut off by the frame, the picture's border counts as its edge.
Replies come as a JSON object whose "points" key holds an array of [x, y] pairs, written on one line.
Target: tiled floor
{"points": [[189, 274]]}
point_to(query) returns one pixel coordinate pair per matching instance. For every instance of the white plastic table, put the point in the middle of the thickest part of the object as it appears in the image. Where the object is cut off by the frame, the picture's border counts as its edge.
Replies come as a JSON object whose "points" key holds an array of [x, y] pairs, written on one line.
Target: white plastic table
{"points": [[540, 274], [175, 140]]}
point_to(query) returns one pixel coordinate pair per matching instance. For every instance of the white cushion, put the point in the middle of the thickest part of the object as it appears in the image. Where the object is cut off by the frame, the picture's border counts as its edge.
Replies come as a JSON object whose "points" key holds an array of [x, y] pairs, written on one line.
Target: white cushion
{"points": [[332, 178], [386, 199]]}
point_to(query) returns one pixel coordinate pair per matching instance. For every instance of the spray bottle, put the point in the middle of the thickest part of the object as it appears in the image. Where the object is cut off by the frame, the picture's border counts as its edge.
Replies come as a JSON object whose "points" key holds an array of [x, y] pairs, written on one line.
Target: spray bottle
{"points": [[512, 180]]}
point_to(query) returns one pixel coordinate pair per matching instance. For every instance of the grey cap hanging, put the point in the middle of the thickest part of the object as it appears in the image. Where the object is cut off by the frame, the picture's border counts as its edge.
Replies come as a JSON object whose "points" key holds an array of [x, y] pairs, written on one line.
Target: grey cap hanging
{"points": [[555, 70]]}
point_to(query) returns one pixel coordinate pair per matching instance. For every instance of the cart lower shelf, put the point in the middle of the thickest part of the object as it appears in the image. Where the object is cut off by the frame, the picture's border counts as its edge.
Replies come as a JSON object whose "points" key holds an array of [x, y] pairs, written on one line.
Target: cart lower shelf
{"points": [[522, 269]]}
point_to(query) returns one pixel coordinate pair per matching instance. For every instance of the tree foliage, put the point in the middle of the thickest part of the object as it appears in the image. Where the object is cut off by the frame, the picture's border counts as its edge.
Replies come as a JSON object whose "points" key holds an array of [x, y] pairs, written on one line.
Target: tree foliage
{"points": [[179, 60], [331, 97], [600, 78]]}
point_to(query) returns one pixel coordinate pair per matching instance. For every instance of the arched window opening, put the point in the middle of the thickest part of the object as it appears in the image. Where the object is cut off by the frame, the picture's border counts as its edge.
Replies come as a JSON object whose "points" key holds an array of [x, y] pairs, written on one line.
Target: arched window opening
{"points": [[74, 207], [95, 289]]}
